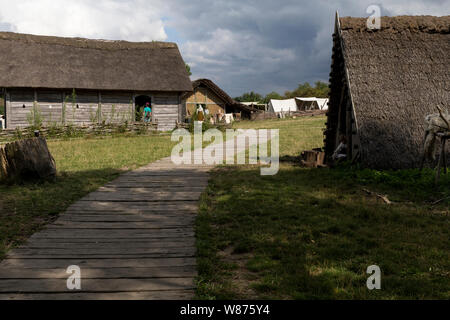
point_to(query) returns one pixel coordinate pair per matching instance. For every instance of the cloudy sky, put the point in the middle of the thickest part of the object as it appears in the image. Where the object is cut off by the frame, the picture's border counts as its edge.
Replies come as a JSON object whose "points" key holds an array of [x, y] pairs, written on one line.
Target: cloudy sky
{"points": [[242, 45]]}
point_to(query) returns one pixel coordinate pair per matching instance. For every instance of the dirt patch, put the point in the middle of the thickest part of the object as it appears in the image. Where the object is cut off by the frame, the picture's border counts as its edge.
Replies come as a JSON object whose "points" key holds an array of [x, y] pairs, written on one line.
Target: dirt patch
{"points": [[241, 277]]}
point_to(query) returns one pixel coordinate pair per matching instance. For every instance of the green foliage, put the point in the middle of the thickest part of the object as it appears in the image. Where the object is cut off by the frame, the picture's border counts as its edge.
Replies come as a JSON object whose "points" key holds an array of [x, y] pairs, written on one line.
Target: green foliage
{"points": [[93, 116], [2, 106], [73, 100], [312, 233], [64, 110], [272, 95], [206, 125], [188, 69], [18, 135], [34, 118], [112, 115], [320, 90], [249, 97]]}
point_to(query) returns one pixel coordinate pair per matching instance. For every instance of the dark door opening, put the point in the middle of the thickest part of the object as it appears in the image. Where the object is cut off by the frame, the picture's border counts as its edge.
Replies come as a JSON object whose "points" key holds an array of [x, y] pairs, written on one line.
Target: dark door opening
{"points": [[140, 102]]}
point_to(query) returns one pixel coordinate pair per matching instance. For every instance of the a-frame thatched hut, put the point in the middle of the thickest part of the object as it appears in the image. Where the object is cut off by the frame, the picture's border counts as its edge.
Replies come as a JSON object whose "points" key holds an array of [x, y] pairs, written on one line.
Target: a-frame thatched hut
{"points": [[383, 84], [110, 78], [210, 96]]}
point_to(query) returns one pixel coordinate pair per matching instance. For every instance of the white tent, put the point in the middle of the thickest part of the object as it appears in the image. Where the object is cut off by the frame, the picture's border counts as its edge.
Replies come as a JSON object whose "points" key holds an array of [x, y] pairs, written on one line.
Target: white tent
{"points": [[277, 106], [319, 103]]}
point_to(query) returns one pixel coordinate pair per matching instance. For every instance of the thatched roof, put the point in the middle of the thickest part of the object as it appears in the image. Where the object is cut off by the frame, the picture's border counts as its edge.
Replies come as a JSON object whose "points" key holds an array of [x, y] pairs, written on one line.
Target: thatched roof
{"points": [[230, 102], [53, 62], [215, 89], [397, 75]]}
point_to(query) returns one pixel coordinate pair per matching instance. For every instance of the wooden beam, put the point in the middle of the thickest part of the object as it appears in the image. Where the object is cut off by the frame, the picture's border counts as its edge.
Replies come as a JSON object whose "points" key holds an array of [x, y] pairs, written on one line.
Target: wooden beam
{"points": [[8, 109], [99, 108]]}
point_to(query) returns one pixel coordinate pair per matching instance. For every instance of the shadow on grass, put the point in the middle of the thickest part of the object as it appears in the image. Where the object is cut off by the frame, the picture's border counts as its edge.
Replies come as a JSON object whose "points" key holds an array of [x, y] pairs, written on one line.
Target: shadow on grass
{"points": [[312, 233], [26, 208]]}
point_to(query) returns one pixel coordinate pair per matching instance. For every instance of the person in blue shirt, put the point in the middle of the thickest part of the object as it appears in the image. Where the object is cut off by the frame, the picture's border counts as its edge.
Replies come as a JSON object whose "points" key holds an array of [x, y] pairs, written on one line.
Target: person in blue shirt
{"points": [[147, 113]]}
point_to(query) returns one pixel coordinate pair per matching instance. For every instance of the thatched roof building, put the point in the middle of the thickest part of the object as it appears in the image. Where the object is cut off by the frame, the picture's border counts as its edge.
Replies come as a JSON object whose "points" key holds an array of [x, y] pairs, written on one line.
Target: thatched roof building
{"points": [[121, 69], [209, 95], [383, 83]]}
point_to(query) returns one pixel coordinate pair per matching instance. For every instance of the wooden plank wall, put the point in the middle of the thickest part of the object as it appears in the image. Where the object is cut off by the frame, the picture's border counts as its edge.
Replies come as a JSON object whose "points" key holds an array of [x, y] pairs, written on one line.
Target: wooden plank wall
{"points": [[89, 107], [166, 110], [117, 107], [84, 110], [21, 103]]}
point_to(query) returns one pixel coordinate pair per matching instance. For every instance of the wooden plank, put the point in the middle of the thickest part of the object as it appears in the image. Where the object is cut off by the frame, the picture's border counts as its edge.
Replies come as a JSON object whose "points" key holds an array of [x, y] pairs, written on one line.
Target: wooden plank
{"points": [[93, 273], [165, 219], [97, 263], [96, 285], [118, 187], [137, 207], [135, 245], [146, 225], [142, 295], [113, 233], [146, 243], [102, 256], [74, 250], [142, 197], [26, 95], [8, 112]]}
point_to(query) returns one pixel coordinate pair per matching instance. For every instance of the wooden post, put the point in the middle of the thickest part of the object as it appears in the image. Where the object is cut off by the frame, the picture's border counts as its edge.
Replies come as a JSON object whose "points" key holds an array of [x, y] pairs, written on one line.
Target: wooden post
{"points": [[7, 109], [99, 108], [133, 110], [63, 108]]}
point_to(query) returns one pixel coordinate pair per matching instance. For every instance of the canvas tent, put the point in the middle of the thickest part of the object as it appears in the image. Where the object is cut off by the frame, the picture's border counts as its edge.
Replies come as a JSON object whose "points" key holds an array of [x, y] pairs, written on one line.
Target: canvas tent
{"points": [[312, 103], [382, 85], [279, 106]]}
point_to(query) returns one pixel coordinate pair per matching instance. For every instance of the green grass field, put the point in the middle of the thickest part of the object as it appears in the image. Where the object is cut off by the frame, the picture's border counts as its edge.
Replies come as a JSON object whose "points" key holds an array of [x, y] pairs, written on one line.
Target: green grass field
{"points": [[83, 166], [302, 234], [312, 233]]}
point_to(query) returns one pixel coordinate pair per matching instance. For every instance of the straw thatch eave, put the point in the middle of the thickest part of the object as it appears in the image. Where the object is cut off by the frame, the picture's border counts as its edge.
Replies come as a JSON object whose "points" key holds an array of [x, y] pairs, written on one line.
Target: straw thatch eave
{"points": [[61, 63]]}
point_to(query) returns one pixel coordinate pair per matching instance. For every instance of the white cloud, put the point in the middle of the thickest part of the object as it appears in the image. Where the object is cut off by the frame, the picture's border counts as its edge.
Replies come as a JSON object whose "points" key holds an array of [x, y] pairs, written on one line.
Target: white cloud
{"points": [[134, 20]]}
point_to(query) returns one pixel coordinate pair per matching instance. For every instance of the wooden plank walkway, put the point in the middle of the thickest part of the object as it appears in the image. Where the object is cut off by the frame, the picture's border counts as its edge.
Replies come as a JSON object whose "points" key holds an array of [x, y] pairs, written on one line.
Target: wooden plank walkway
{"points": [[133, 239]]}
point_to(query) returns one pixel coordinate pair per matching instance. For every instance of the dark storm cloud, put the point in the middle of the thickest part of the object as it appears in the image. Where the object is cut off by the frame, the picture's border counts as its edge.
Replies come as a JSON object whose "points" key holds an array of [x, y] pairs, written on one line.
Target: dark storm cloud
{"points": [[243, 45], [269, 45]]}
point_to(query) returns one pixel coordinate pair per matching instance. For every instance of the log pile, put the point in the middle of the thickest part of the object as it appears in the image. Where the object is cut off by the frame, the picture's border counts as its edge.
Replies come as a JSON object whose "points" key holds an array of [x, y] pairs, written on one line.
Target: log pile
{"points": [[27, 159]]}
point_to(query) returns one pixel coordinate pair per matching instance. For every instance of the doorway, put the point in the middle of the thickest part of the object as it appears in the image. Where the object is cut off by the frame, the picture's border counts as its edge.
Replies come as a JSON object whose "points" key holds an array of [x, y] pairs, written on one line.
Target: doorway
{"points": [[140, 102]]}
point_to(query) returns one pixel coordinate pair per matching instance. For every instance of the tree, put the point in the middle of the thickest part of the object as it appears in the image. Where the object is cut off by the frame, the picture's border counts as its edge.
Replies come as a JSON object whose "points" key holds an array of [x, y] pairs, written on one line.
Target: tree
{"points": [[249, 97], [272, 95], [188, 69], [320, 90]]}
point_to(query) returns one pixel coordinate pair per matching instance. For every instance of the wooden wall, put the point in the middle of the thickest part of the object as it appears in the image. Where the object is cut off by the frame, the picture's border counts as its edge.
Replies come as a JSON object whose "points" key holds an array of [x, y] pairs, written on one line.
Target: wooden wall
{"points": [[58, 106], [166, 109], [204, 96]]}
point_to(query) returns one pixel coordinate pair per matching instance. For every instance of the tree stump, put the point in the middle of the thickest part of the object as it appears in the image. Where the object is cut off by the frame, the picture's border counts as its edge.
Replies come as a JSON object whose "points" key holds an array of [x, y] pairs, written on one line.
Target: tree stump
{"points": [[27, 159], [313, 158]]}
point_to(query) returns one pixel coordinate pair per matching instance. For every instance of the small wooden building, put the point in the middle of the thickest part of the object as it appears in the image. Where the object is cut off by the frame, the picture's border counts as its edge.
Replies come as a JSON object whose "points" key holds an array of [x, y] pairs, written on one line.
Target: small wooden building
{"points": [[81, 81], [382, 85], [208, 95]]}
